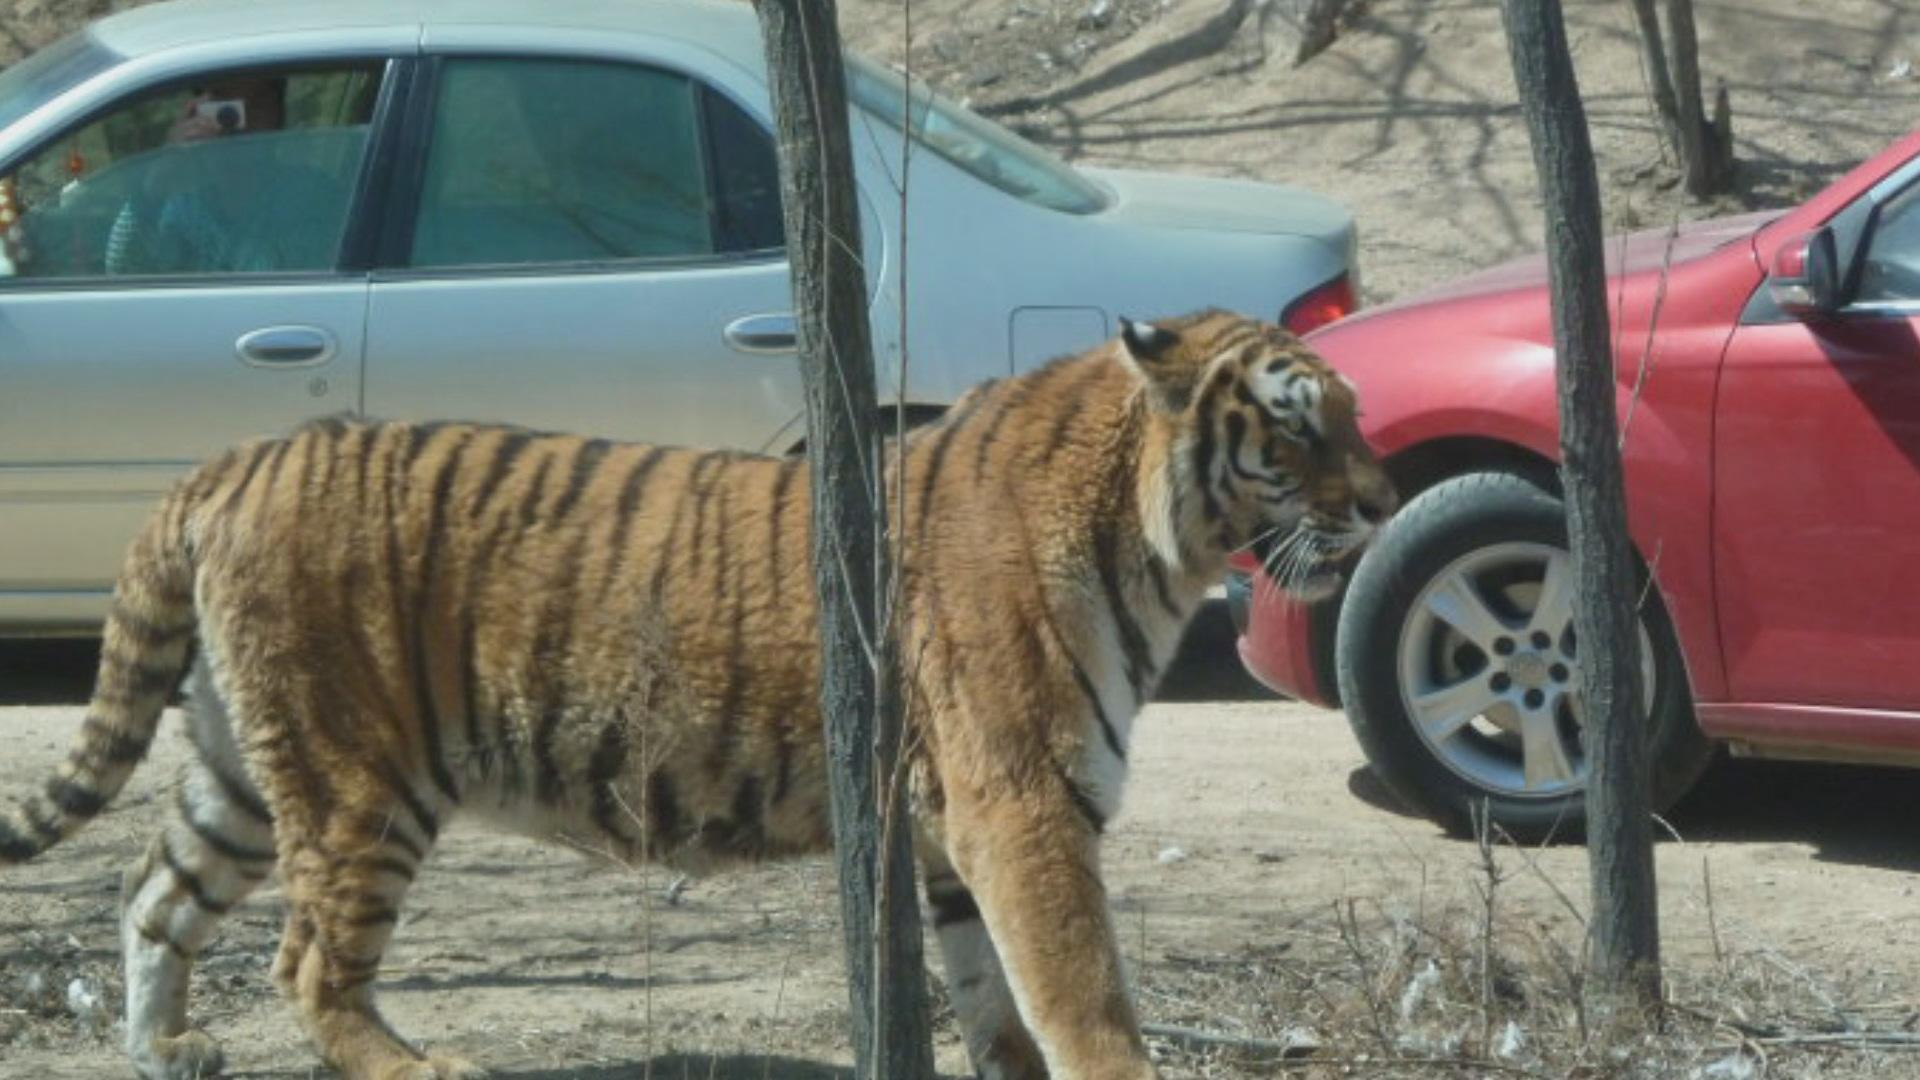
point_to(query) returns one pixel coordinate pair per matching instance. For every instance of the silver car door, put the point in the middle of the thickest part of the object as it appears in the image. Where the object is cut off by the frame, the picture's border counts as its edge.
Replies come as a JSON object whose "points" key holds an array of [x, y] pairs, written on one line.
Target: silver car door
{"points": [[172, 287], [594, 247]]}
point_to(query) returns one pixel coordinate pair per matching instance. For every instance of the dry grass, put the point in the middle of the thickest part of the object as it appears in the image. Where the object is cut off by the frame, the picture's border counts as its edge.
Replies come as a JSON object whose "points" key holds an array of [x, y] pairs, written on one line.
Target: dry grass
{"points": [[1448, 979]]}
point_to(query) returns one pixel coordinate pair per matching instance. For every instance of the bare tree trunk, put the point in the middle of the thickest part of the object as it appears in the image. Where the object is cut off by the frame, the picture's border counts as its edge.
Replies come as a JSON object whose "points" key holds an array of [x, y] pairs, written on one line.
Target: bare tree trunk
{"points": [[859, 691], [1318, 28], [1695, 146], [1653, 56], [1624, 986], [1704, 147]]}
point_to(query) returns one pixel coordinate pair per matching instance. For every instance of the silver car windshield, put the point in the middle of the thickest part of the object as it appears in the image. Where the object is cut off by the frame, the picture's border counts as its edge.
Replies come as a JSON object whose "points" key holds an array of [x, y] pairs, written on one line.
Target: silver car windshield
{"points": [[975, 144], [51, 72]]}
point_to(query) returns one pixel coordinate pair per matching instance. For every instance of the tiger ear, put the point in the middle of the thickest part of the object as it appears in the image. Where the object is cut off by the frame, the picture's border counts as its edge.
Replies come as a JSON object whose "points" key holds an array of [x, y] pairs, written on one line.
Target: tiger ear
{"points": [[1146, 341], [1148, 350]]}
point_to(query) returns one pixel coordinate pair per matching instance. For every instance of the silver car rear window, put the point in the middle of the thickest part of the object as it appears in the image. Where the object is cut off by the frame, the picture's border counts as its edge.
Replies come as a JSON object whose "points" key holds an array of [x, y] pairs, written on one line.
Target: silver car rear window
{"points": [[973, 143], [51, 72]]}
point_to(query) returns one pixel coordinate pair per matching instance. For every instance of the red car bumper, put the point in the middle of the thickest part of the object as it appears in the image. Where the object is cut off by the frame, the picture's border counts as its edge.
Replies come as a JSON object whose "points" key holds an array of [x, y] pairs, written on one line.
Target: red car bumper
{"points": [[1284, 643]]}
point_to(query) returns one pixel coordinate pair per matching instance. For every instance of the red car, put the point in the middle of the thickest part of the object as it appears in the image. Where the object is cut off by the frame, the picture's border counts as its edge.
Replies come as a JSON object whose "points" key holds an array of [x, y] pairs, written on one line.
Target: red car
{"points": [[1770, 392]]}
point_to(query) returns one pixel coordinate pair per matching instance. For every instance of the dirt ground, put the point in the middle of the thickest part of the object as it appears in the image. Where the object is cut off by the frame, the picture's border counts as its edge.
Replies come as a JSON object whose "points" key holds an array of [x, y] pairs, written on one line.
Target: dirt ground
{"points": [[1262, 886]]}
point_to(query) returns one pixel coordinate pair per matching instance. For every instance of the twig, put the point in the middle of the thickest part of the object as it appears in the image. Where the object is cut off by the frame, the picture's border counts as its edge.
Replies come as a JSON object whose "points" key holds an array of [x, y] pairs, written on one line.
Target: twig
{"points": [[1713, 921], [1489, 888], [1864, 1040], [1188, 1038], [1653, 323], [1299, 1057]]}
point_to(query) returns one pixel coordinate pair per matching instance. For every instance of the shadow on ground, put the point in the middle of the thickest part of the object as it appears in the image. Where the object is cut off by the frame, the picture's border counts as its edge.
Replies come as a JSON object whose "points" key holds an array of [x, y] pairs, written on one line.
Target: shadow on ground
{"points": [[667, 1067], [1857, 815], [693, 1067]]}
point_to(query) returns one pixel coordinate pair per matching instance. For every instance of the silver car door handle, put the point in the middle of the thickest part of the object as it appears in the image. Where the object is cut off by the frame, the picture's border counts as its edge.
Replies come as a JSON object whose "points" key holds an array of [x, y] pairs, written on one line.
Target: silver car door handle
{"points": [[286, 346], [763, 334]]}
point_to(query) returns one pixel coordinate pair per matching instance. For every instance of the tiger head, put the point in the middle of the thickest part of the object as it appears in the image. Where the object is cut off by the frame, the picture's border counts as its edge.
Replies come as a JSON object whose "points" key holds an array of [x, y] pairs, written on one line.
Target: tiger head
{"points": [[1266, 454]]}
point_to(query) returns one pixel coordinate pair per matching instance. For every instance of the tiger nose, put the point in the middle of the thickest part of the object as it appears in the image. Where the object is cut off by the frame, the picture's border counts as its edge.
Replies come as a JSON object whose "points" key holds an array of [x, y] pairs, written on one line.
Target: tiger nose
{"points": [[1376, 502]]}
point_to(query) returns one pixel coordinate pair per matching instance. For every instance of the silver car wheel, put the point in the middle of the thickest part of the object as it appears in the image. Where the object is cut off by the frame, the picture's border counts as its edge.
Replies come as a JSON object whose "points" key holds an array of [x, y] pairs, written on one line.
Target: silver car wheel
{"points": [[1490, 675]]}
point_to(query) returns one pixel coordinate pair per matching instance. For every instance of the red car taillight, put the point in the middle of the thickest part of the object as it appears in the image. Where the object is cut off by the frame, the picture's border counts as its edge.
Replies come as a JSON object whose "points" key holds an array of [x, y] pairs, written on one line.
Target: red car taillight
{"points": [[1328, 303]]}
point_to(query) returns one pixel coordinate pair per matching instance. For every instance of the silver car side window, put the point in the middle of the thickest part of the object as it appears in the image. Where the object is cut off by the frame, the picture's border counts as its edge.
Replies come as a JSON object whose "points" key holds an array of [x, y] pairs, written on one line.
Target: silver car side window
{"points": [[565, 162], [248, 172]]}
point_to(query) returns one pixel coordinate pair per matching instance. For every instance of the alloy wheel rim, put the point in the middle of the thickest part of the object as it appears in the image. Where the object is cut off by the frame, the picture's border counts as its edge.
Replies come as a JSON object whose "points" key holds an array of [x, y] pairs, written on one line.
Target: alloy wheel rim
{"points": [[1489, 671]]}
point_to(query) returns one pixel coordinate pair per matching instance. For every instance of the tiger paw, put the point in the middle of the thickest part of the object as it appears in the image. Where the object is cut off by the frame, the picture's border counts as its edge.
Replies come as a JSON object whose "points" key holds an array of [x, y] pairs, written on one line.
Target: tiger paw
{"points": [[436, 1067], [190, 1055]]}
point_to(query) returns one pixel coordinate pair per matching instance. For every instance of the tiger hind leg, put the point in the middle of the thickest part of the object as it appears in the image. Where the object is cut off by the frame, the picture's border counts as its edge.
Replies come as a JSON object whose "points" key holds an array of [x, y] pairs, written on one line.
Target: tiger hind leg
{"points": [[215, 847], [344, 891]]}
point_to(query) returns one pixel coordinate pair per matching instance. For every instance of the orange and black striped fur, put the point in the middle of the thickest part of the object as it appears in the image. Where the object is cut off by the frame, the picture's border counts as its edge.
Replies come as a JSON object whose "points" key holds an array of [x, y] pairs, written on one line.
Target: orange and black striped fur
{"points": [[393, 624]]}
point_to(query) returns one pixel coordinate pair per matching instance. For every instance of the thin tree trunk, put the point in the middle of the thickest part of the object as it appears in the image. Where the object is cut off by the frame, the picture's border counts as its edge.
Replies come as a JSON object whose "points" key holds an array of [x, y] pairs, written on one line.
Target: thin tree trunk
{"points": [[1696, 152], [1653, 56], [1624, 986], [1318, 28], [859, 692]]}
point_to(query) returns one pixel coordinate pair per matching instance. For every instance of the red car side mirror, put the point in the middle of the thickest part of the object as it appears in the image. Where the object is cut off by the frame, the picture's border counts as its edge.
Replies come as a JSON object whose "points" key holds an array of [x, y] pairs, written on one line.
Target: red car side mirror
{"points": [[1805, 280]]}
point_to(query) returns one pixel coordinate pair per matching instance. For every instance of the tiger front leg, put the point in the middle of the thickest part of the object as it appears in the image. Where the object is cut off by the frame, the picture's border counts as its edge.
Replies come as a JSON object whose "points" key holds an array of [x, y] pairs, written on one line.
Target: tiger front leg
{"points": [[1030, 861], [998, 1043]]}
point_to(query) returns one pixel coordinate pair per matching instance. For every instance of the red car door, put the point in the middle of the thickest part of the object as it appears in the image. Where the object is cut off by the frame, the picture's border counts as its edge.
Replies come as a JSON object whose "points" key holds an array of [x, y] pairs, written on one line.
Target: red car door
{"points": [[1817, 492]]}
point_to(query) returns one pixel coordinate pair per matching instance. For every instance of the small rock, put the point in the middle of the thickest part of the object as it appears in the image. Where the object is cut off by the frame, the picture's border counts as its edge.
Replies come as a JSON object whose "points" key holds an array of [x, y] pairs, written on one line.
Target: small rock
{"points": [[1098, 15], [1300, 1042], [1513, 1042], [677, 888], [1423, 981], [1900, 70], [1735, 1066], [1170, 855], [84, 1001]]}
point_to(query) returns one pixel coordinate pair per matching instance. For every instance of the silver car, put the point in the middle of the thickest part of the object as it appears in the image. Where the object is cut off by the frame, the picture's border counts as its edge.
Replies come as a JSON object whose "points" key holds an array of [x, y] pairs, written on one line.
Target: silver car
{"points": [[223, 217]]}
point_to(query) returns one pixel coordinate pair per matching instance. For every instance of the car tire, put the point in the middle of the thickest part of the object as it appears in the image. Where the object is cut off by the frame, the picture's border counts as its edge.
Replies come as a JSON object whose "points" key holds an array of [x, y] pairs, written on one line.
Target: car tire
{"points": [[1444, 615]]}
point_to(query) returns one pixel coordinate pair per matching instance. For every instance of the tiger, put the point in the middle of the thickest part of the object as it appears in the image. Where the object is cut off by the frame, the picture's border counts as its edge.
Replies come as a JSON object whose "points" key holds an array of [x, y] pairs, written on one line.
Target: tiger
{"points": [[378, 626]]}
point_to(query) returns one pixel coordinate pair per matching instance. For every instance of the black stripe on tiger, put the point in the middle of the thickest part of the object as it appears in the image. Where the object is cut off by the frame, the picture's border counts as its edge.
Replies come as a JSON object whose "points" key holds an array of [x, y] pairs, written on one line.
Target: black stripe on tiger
{"points": [[159, 938], [664, 820], [126, 680], [214, 838], [1163, 590], [146, 634], [237, 792], [952, 903], [426, 703], [942, 443], [109, 745], [1084, 803], [74, 798], [15, 848], [536, 491], [550, 652], [1099, 711], [260, 452], [633, 487], [1063, 424], [1237, 435], [700, 488], [505, 452], [423, 815], [373, 915], [733, 686], [1205, 447], [190, 881], [586, 465], [603, 771], [1137, 654], [783, 480]]}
